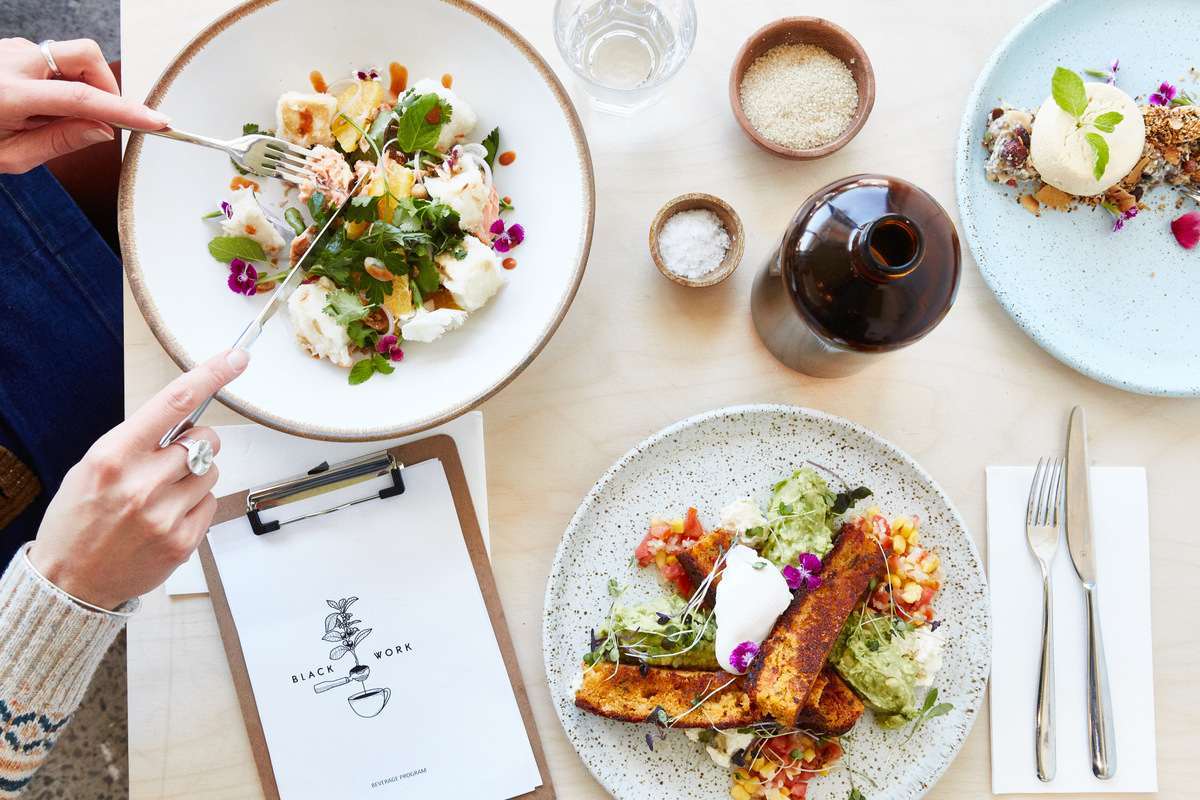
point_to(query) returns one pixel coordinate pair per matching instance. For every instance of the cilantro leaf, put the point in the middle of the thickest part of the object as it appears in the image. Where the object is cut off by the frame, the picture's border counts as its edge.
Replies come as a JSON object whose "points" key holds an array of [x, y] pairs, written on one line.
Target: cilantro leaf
{"points": [[361, 209], [227, 248], [317, 210], [1100, 148], [361, 335], [1107, 121], [414, 131], [1066, 87], [344, 307], [491, 143]]}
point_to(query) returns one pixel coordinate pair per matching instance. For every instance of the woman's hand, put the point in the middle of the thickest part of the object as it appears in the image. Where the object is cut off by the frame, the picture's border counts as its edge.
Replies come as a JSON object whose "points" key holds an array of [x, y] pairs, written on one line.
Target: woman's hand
{"points": [[41, 117], [129, 513]]}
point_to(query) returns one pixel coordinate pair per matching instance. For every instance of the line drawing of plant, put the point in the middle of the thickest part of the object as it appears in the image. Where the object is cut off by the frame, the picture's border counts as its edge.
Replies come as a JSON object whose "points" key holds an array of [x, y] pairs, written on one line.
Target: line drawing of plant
{"points": [[342, 631], [340, 627]]}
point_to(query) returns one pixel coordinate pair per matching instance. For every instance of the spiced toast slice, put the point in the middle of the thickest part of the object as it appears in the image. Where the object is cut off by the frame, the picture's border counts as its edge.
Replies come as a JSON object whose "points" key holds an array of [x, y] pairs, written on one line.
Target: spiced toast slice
{"points": [[699, 559], [793, 655]]}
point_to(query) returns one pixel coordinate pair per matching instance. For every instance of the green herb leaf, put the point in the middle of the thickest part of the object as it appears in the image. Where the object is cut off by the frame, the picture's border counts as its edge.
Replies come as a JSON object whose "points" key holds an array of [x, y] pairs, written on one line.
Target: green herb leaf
{"points": [[227, 248], [1183, 99], [1100, 148], [361, 335], [1096, 73], [855, 794], [294, 220], [382, 364], [614, 589], [414, 132], [345, 307], [505, 205], [1108, 121], [317, 210], [361, 209], [491, 143], [940, 710], [1066, 87], [930, 699], [361, 371], [213, 214]]}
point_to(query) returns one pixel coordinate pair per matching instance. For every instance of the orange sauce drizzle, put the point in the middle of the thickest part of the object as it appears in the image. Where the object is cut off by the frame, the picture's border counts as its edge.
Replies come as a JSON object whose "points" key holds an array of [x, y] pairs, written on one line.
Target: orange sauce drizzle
{"points": [[509, 263], [318, 81], [242, 182], [447, 80], [399, 78], [507, 157], [434, 116]]}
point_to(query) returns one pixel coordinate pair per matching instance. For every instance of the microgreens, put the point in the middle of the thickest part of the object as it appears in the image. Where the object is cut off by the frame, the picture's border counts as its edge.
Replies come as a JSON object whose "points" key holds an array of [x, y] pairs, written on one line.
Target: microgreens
{"points": [[1069, 93], [1109, 76], [843, 500], [930, 709]]}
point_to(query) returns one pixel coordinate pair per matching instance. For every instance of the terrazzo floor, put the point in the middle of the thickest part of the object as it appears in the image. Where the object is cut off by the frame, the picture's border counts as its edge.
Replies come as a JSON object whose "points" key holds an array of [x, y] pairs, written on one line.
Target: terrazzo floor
{"points": [[91, 759]]}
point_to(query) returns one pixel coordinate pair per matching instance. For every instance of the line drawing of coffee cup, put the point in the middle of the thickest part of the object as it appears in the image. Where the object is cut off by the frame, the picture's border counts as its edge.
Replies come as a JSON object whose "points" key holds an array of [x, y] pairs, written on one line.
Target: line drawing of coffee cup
{"points": [[369, 702]]}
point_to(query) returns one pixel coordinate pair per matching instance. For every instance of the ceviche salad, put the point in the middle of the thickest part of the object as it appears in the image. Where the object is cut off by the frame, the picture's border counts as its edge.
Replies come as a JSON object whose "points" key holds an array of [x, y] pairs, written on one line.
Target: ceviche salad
{"points": [[776, 631], [422, 244]]}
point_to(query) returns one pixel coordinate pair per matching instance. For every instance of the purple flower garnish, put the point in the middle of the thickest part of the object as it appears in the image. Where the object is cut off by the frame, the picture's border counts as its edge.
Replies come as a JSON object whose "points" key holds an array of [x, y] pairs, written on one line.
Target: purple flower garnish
{"points": [[650, 742], [593, 642], [366, 75], [228, 209], [803, 574], [933, 626], [243, 277], [506, 239], [663, 619], [742, 655], [390, 346], [1165, 94], [1113, 69], [1121, 217]]}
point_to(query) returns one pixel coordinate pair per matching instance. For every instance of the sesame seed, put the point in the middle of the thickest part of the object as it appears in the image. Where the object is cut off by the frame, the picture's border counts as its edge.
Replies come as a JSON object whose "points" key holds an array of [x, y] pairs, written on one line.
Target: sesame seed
{"points": [[799, 96]]}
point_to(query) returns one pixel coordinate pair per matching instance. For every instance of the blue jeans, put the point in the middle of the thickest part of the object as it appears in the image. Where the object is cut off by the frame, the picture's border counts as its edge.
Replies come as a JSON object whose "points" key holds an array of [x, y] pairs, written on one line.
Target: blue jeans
{"points": [[61, 365]]}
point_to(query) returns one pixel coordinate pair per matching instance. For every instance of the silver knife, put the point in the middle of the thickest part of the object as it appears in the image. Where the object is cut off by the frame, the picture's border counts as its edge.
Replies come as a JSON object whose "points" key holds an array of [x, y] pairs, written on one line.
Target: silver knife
{"points": [[280, 296], [1080, 542]]}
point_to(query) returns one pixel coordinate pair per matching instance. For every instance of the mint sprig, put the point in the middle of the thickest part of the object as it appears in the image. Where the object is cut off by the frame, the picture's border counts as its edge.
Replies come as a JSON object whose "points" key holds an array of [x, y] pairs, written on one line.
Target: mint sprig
{"points": [[930, 709], [1069, 93]]}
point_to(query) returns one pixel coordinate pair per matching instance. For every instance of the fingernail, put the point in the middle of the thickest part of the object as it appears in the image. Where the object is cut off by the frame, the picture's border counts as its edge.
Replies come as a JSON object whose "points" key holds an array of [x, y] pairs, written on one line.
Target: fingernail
{"points": [[96, 136], [158, 118], [238, 359]]}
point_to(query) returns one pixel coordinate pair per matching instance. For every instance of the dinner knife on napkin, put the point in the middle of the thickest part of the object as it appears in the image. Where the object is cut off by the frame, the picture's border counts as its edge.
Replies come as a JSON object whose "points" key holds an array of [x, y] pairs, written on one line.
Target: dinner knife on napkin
{"points": [[278, 299], [1080, 543]]}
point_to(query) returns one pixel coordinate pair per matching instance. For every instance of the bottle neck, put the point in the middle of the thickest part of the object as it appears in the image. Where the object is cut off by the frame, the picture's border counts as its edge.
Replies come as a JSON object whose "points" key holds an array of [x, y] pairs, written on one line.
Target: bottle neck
{"points": [[887, 248]]}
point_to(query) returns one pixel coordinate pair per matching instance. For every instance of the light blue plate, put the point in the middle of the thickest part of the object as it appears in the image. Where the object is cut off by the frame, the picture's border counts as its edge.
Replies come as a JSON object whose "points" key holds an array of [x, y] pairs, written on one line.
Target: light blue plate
{"points": [[1119, 307]]}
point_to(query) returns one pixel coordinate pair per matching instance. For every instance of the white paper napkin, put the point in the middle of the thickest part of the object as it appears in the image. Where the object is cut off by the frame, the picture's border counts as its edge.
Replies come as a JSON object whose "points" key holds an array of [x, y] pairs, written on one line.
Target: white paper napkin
{"points": [[252, 455], [1121, 530]]}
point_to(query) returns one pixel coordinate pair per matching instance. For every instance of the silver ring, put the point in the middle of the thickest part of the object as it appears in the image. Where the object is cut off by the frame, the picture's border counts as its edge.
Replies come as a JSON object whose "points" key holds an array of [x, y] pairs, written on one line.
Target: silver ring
{"points": [[44, 46], [199, 454]]}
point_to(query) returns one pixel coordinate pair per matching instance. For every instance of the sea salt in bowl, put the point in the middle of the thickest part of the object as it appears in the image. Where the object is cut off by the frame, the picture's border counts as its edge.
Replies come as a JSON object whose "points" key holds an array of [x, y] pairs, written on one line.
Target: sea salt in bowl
{"points": [[804, 31], [730, 221]]}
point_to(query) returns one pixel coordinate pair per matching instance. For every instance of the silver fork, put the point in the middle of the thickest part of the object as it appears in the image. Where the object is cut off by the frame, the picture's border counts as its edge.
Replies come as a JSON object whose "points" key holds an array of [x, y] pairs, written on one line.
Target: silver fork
{"points": [[1191, 193], [266, 156], [1042, 529]]}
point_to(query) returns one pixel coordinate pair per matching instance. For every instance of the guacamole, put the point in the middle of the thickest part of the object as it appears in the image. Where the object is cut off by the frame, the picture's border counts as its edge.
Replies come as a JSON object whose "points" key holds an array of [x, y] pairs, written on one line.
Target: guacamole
{"points": [[799, 519], [873, 657], [645, 627]]}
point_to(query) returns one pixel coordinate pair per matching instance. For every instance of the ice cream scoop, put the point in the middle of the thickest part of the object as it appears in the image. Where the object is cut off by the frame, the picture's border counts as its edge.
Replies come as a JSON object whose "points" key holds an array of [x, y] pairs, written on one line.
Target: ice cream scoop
{"points": [[1062, 154]]}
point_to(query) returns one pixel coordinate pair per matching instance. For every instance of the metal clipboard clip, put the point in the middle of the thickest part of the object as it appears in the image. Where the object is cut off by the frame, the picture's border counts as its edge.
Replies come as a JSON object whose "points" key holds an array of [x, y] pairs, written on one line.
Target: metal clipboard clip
{"points": [[322, 479]]}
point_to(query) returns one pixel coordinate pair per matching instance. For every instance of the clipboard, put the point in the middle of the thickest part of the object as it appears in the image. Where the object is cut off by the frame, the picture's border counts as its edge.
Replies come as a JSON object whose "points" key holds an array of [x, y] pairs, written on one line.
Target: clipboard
{"points": [[323, 478]]}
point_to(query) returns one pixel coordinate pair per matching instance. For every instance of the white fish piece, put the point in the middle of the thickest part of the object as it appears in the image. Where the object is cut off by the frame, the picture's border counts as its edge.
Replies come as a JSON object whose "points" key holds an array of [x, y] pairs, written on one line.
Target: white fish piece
{"points": [[426, 326], [462, 116], [473, 279], [247, 218], [467, 192], [318, 332]]}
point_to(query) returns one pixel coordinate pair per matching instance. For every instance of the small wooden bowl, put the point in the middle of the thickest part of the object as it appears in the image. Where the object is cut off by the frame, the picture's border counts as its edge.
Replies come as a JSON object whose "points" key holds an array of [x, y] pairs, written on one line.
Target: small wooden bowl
{"points": [[804, 30], [728, 217]]}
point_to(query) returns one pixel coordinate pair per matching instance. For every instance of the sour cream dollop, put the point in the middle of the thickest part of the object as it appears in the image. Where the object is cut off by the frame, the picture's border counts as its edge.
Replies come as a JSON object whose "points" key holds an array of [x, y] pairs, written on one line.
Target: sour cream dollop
{"points": [[742, 515], [750, 597]]}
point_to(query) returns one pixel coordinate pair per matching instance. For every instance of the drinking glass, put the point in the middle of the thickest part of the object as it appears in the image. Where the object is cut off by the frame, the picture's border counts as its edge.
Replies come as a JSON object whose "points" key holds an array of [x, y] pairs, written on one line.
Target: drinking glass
{"points": [[624, 51]]}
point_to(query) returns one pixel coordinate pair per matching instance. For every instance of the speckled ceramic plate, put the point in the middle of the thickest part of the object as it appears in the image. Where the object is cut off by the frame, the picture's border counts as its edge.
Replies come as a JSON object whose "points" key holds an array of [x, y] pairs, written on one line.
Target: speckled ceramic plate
{"points": [[707, 461], [1118, 307]]}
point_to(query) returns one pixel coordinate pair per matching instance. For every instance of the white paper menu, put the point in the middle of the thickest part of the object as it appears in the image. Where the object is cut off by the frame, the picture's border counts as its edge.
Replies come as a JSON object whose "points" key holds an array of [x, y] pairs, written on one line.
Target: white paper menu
{"points": [[372, 697]]}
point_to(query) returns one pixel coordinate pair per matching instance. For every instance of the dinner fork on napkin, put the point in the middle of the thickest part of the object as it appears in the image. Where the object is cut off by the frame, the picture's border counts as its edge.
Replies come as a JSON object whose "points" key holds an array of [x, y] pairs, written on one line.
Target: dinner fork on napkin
{"points": [[1121, 531]]}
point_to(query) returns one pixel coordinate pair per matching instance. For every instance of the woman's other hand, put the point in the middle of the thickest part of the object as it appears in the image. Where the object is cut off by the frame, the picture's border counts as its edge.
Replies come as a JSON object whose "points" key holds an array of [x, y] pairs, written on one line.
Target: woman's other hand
{"points": [[129, 513], [42, 117]]}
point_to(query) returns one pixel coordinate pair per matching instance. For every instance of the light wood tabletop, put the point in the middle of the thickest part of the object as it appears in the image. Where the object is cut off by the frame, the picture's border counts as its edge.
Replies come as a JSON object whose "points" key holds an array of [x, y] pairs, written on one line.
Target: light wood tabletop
{"points": [[637, 352]]}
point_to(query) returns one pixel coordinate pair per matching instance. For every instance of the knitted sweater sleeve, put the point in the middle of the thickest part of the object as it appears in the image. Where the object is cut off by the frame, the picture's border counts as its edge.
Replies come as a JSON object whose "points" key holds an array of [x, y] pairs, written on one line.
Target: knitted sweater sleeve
{"points": [[50, 646]]}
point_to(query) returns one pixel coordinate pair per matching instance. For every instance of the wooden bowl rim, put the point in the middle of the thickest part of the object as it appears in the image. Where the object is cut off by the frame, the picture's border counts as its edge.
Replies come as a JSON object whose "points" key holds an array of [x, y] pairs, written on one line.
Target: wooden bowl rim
{"points": [[866, 86], [729, 218]]}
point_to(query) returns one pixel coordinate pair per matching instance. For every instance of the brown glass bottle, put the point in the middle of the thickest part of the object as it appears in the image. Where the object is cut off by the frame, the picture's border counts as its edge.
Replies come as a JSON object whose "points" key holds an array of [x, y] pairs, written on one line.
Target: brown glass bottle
{"points": [[868, 264]]}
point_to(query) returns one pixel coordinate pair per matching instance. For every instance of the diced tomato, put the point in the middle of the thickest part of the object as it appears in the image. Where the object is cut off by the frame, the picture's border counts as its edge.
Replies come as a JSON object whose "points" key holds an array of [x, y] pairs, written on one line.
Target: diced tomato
{"points": [[675, 575], [662, 544], [692, 529], [653, 541]]}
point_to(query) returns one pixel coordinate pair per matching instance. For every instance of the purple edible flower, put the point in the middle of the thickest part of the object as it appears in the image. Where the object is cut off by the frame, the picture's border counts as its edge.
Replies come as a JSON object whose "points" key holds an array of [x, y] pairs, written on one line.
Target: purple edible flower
{"points": [[933, 626], [506, 239], [1121, 217], [742, 655], [366, 75], [243, 277], [650, 742], [1165, 94], [663, 619], [390, 346], [805, 573], [228, 209], [1113, 69]]}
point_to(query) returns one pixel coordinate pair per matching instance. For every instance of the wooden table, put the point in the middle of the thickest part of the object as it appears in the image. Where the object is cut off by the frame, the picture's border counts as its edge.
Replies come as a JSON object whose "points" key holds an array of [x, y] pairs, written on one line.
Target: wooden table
{"points": [[637, 352]]}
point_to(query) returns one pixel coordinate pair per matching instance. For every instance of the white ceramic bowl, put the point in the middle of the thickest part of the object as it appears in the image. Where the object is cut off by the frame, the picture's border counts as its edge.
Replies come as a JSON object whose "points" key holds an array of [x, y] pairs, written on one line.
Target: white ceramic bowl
{"points": [[232, 73], [707, 461]]}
